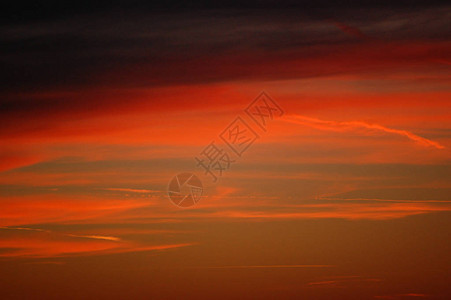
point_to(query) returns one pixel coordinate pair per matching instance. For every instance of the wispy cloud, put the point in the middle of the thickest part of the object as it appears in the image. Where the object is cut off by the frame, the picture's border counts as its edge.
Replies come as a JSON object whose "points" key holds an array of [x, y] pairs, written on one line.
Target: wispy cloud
{"points": [[40, 243], [17, 211], [337, 210], [402, 296], [140, 191], [353, 31], [97, 237], [271, 266], [339, 281], [343, 126]]}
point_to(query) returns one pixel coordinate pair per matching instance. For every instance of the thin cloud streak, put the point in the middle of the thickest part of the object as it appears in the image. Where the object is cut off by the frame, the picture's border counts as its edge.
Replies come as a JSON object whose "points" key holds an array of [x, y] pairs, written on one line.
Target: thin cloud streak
{"points": [[352, 31], [141, 191], [271, 266], [40, 243], [97, 237], [340, 281], [353, 125], [402, 296]]}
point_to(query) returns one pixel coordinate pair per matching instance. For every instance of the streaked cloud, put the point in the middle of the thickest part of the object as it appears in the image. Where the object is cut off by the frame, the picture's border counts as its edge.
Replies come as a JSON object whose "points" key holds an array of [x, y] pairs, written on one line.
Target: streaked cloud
{"points": [[97, 237], [132, 190], [403, 296], [341, 126], [38, 243], [271, 266]]}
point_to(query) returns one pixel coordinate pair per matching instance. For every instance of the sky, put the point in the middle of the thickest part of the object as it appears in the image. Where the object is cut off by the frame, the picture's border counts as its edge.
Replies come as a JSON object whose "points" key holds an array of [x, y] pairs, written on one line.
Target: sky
{"points": [[343, 193]]}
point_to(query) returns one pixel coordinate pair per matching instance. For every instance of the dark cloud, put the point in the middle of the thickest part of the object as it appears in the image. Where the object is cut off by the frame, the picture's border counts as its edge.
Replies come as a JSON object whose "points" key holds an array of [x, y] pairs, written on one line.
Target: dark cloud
{"points": [[50, 46], [30, 11]]}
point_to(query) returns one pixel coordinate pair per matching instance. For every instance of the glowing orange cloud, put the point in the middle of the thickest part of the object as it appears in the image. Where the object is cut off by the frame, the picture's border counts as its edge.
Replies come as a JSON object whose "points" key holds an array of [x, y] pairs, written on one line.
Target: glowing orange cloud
{"points": [[44, 243], [51, 208], [353, 125]]}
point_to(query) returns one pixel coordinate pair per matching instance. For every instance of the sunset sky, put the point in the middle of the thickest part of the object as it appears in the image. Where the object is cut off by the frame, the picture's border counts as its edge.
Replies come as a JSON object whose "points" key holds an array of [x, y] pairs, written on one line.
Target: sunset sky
{"points": [[345, 195]]}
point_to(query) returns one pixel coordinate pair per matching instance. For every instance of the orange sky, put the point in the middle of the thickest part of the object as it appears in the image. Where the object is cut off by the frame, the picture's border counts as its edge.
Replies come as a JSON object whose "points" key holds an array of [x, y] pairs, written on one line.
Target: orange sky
{"points": [[346, 196]]}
